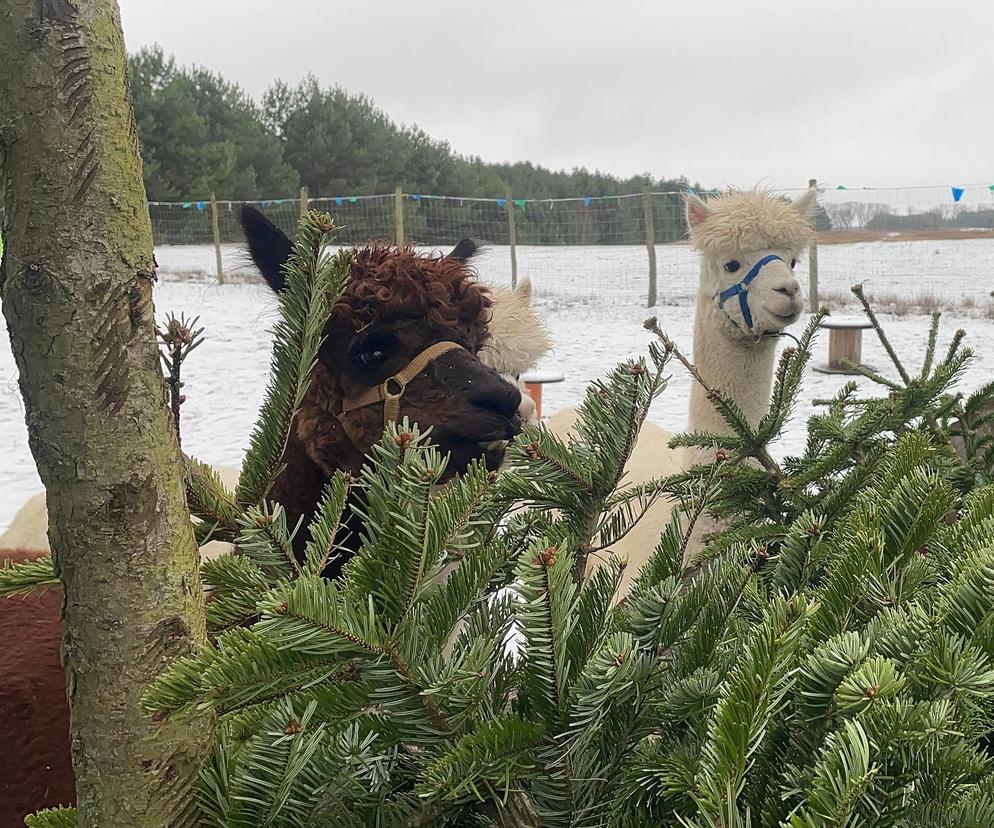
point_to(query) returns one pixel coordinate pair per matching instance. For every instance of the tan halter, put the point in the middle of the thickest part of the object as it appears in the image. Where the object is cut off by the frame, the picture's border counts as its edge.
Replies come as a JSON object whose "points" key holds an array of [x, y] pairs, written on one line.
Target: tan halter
{"points": [[392, 388]]}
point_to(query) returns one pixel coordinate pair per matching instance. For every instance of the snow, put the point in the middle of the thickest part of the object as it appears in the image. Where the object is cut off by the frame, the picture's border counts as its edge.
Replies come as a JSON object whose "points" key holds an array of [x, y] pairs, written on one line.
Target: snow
{"points": [[226, 377]]}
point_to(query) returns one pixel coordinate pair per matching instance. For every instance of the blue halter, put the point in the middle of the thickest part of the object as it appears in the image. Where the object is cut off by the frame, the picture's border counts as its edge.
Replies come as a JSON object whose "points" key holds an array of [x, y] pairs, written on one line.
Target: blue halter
{"points": [[741, 289]]}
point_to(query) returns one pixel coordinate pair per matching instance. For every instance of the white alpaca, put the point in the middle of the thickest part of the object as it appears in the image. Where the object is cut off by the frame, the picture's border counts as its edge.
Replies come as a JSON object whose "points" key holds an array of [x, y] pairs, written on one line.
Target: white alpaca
{"points": [[518, 340], [748, 244]]}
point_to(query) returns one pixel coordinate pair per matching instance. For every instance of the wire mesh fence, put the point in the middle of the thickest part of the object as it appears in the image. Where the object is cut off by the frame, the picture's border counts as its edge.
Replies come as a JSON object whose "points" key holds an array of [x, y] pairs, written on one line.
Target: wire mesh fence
{"points": [[913, 248]]}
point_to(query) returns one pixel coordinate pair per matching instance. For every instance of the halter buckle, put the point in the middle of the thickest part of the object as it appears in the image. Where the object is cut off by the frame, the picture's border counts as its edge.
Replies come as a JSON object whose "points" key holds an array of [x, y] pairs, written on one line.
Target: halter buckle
{"points": [[391, 383]]}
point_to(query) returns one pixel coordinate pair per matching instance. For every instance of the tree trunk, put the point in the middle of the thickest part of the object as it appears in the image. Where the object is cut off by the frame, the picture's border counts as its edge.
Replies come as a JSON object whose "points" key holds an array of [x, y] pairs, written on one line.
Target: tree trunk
{"points": [[76, 286]]}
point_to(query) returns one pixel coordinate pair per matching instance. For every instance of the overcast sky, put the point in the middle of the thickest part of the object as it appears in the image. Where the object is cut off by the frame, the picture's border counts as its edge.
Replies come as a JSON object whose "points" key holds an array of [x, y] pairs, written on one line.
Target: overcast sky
{"points": [[871, 93]]}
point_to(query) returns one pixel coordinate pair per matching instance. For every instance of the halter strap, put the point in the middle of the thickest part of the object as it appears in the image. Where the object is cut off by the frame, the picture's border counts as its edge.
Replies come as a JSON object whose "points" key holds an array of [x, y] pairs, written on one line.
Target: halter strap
{"points": [[741, 289], [392, 388]]}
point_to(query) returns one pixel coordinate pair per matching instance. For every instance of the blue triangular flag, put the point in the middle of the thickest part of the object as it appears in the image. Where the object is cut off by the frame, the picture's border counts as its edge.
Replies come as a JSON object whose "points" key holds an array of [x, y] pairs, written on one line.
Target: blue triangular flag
{"points": [[587, 201], [957, 193], [416, 197], [501, 202], [263, 204], [200, 205], [339, 201]]}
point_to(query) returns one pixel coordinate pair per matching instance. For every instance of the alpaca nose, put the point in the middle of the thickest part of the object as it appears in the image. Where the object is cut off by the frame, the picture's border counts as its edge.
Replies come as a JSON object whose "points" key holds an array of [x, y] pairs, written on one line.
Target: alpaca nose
{"points": [[788, 287], [498, 396]]}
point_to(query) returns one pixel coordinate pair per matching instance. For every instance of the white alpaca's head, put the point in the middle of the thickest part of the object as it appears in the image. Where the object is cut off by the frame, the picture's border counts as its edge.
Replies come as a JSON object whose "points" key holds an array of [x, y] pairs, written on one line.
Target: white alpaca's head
{"points": [[749, 244], [518, 340]]}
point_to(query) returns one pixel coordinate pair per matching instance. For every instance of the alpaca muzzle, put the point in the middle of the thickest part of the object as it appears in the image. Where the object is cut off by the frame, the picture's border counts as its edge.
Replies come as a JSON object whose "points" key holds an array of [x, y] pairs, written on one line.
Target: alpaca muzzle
{"points": [[741, 289]]}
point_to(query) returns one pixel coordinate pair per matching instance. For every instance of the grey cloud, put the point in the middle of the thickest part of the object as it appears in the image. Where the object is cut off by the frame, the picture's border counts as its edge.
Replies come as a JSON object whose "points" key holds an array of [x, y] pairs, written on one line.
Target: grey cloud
{"points": [[726, 91]]}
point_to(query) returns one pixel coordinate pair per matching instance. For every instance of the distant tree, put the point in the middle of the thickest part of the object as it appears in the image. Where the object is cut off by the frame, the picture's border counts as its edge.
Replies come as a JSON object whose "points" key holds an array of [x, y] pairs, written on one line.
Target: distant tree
{"points": [[201, 133]]}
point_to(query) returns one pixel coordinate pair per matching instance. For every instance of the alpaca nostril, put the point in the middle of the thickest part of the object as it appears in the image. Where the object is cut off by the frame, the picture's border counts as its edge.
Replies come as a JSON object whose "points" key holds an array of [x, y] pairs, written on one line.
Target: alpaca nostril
{"points": [[788, 289], [501, 397]]}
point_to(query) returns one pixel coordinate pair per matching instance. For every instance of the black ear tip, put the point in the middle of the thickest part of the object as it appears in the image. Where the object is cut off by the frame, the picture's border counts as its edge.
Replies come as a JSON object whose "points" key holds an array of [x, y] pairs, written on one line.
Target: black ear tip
{"points": [[250, 217], [268, 246], [465, 250]]}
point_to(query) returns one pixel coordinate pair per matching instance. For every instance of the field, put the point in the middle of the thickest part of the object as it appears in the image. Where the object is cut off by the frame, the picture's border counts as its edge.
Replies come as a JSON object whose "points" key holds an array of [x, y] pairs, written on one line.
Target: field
{"points": [[590, 298]]}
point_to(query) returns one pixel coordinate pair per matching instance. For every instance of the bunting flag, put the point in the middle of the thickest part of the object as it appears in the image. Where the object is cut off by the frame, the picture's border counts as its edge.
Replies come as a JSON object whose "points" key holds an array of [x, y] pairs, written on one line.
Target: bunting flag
{"points": [[501, 202], [841, 187], [957, 193], [587, 201], [339, 201], [263, 204], [353, 199], [991, 188], [187, 205], [519, 202], [200, 205], [415, 197], [278, 202]]}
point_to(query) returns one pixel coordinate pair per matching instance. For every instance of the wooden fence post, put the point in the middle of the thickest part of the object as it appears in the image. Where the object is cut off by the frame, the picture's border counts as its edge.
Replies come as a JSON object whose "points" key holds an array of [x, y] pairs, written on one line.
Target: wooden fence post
{"points": [[650, 245], [305, 199], [398, 216], [216, 227], [512, 236], [813, 263]]}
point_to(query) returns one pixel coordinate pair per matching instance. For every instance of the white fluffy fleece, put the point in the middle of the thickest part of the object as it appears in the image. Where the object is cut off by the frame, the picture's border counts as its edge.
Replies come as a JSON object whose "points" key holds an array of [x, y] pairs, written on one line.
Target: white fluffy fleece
{"points": [[751, 220], [518, 337]]}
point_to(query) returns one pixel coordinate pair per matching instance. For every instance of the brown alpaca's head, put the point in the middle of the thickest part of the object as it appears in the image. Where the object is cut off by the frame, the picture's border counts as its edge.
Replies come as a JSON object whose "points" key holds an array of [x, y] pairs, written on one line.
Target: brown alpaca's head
{"points": [[396, 304]]}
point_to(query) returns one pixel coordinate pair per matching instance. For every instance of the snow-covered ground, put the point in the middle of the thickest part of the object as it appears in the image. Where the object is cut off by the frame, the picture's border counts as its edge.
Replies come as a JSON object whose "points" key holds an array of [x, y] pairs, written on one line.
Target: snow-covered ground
{"points": [[226, 376], [948, 271]]}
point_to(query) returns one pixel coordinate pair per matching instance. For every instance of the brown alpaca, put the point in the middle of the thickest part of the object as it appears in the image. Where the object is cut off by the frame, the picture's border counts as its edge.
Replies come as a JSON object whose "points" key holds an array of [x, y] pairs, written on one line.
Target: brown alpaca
{"points": [[396, 304]]}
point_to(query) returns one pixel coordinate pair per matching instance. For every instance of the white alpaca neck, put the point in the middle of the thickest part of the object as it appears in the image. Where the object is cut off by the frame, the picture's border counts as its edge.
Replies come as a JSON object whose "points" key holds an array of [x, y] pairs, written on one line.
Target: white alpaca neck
{"points": [[742, 369]]}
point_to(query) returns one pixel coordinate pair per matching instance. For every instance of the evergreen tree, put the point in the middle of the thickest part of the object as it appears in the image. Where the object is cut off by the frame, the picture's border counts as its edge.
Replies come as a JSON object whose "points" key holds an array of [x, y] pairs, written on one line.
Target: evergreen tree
{"points": [[830, 666]]}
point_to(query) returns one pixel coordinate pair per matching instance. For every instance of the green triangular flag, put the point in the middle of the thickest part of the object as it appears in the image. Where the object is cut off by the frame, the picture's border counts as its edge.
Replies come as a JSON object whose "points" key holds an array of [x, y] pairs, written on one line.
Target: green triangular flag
{"points": [[519, 202], [841, 187]]}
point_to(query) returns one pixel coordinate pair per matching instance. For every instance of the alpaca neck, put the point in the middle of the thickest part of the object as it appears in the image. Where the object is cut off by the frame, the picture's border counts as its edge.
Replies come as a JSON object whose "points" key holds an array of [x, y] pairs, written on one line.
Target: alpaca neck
{"points": [[741, 369]]}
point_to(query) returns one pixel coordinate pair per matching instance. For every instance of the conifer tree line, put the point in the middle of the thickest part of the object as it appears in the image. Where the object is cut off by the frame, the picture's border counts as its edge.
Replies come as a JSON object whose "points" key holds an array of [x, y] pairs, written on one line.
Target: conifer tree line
{"points": [[201, 133]]}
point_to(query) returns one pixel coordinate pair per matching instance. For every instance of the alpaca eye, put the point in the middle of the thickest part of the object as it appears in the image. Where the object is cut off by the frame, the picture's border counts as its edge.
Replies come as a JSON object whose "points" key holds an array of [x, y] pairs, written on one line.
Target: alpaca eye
{"points": [[793, 262], [371, 358], [732, 266]]}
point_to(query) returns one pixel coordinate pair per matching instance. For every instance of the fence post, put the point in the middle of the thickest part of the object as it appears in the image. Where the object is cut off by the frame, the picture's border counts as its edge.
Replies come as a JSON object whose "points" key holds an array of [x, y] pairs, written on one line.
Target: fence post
{"points": [[216, 227], [398, 215], [512, 237], [813, 262], [304, 201], [650, 244]]}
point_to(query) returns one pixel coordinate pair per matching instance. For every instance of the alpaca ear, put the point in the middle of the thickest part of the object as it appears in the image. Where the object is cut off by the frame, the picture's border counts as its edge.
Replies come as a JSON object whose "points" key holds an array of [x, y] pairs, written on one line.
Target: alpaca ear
{"points": [[697, 211], [465, 250], [524, 291], [807, 203], [268, 246]]}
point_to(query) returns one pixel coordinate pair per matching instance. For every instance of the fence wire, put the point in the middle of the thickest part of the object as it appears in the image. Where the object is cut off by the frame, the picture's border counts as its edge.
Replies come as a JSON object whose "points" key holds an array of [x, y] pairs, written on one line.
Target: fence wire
{"points": [[914, 248]]}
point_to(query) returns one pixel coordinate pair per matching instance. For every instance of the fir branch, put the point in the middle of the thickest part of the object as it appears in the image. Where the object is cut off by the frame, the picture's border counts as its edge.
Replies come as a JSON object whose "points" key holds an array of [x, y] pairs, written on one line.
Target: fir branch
{"points": [[857, 291], [315, 280], [209, 500], [24, 577]]}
